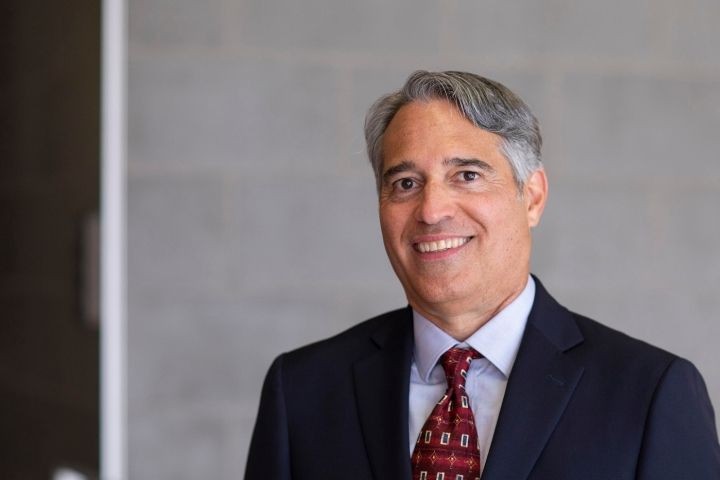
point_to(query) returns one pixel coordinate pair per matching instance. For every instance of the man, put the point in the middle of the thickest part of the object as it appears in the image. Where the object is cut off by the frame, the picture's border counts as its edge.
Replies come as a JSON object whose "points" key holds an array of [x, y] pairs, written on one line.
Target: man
{"points": [[484, 374]]}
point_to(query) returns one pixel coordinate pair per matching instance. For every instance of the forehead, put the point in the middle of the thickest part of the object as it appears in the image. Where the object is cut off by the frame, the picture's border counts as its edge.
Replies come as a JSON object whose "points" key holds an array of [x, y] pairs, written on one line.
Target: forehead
{"points": [[420, 113], [436, 130]]}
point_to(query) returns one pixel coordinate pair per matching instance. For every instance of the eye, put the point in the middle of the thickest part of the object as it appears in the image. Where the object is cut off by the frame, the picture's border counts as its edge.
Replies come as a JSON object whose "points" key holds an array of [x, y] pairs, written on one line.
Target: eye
{"points": [[469, 176], [405, 183]]}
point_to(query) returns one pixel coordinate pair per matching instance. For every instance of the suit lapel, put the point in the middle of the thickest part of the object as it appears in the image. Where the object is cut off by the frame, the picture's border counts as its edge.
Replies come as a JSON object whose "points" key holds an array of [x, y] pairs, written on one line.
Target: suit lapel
{"points": [[540, 386], [382, 381]]}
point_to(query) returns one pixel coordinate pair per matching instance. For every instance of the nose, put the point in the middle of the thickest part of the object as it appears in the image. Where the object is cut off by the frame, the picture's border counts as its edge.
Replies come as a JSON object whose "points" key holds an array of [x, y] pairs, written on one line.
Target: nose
{"points": [[435, 204]]}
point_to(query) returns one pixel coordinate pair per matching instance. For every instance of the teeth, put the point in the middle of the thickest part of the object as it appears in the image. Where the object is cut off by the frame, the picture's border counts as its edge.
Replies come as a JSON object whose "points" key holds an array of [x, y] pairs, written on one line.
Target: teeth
{"points": [[441, 245]]}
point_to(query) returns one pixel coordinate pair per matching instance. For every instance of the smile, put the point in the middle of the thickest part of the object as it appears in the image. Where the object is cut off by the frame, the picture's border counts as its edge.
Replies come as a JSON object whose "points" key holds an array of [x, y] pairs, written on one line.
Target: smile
{"points": [[441, 245]]}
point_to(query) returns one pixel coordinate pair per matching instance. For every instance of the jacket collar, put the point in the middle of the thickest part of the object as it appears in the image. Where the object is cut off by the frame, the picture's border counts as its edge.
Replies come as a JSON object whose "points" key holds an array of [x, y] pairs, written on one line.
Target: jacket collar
{"points": [[540, 386], [382, 382]]}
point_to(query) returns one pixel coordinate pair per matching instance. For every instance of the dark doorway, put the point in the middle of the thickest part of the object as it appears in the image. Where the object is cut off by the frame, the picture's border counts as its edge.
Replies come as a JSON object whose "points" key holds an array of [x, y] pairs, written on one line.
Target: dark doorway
{"points": [[49, 188]]}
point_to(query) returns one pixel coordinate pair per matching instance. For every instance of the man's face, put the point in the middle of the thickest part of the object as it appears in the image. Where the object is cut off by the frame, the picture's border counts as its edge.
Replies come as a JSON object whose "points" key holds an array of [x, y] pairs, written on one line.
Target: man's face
{"points": [[455, 227]]}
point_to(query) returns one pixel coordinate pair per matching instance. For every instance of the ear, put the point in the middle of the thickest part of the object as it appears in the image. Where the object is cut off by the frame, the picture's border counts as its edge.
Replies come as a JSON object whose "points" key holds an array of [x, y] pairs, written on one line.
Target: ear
{"points": [[536, 192]]}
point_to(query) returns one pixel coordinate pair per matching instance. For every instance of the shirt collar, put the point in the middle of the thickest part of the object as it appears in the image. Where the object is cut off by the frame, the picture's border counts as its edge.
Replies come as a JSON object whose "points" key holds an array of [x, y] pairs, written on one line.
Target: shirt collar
{"points": [[498, 340]]}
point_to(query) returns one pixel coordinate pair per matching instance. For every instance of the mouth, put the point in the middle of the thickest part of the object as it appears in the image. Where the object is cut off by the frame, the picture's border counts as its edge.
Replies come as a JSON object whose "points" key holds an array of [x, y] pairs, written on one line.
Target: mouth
{"points": [[441, 245]]}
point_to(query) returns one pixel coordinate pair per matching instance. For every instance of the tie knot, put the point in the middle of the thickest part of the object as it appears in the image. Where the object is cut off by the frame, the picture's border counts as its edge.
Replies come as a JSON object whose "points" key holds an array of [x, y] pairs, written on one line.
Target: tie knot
{"points": [[456, 363]]}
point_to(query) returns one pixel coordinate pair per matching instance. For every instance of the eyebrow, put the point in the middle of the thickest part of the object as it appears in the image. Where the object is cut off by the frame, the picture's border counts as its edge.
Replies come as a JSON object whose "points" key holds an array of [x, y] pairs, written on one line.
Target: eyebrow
{"points": [[407, 165], [401, 167], [468, 162]]}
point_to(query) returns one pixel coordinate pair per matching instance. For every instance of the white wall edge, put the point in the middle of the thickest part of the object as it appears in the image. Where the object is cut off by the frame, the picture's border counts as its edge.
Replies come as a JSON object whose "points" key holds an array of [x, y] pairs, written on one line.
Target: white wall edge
{"points": [[113, 405]]}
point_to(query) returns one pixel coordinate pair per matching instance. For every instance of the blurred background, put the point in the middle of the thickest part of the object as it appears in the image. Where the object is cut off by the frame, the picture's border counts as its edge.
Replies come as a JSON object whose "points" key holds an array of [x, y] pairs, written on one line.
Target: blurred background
{"points": [[49, 199], [251, 211]]}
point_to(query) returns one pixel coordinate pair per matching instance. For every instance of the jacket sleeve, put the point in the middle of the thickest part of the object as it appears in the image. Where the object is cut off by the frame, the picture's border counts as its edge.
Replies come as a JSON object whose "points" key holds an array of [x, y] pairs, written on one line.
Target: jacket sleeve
{"points": [[680, 439], [269, 454]]}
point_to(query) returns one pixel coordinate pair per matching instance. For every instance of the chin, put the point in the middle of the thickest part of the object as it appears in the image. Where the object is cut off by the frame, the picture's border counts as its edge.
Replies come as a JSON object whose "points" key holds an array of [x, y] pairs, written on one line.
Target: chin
{"points": [[436, 295]]}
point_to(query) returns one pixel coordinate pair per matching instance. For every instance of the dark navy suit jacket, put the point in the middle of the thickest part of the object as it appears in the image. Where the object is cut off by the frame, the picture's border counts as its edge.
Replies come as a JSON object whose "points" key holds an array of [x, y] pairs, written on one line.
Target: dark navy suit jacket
{"points": [[582, 402]]}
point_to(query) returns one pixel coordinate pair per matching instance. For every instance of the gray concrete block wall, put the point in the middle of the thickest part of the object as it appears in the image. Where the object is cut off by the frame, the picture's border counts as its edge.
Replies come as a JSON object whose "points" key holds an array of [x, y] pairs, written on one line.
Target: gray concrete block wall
{"points": [[252, 218]]}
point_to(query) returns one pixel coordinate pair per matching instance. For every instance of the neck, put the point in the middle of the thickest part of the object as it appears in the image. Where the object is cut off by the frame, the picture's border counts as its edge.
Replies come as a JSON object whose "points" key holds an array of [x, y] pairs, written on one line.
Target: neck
{"points": [[461, 321]]}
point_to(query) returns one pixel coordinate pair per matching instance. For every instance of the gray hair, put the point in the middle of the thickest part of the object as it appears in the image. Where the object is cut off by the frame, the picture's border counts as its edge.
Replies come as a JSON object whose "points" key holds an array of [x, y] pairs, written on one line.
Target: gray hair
{"points": [[487, 104]]}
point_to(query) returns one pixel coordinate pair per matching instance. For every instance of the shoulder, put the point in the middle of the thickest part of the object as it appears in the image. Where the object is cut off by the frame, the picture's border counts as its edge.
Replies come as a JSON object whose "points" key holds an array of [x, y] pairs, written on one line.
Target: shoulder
{"points": [[357, 341], [622, 348], [650, 406], [616, 362], [675, 380], [666, 390], [615, 365], [592, 344]]}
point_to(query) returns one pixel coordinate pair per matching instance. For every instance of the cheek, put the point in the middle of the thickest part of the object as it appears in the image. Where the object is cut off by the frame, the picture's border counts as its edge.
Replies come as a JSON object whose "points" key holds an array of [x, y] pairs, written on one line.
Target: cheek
{"points": [[392, 222], [385, 223], [390, 236], [502, 221]]}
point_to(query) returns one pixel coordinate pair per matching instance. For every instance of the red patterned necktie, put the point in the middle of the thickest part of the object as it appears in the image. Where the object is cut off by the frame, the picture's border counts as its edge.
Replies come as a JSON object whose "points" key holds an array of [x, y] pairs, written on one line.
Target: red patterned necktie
{"points": [[447, 446]]}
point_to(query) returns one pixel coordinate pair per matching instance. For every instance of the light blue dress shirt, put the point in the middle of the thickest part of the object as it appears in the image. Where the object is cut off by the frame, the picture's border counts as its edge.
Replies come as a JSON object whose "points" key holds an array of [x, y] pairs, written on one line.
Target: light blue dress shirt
{"points": [[498, 341]]}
